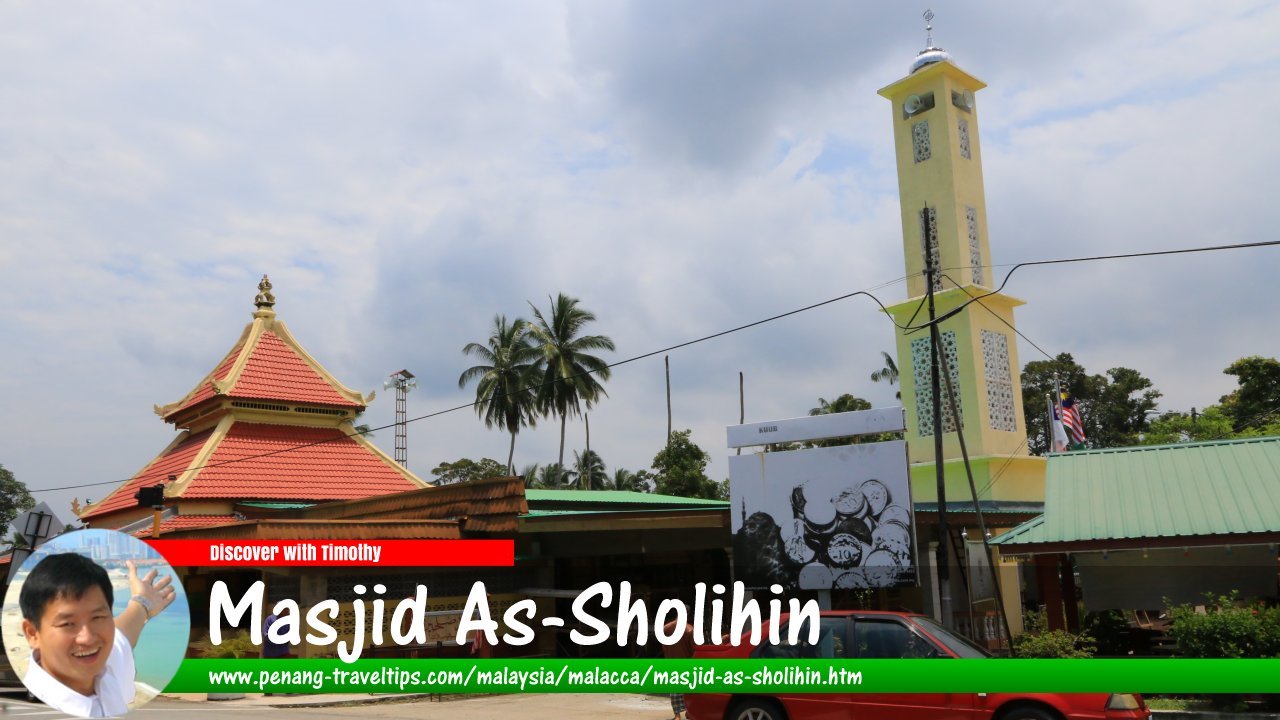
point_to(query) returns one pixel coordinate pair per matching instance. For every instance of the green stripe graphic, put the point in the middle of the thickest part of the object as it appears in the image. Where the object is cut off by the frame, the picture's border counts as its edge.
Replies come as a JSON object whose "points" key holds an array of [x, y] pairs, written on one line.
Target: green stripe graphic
{"points": [[1140, 675]]}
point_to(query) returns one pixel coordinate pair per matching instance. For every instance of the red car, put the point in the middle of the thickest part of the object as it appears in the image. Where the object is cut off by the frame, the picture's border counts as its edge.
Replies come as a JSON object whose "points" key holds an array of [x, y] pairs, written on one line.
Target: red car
{"points": [[866, 634]]}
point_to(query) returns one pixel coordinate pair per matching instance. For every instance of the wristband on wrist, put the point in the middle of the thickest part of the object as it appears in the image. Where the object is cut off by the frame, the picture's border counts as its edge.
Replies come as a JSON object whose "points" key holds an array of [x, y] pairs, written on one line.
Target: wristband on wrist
{"points": [[146, 604]]}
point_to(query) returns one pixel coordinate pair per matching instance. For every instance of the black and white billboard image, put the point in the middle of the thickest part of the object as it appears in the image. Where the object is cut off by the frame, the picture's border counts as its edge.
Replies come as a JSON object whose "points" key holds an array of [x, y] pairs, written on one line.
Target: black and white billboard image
{"points": [[823, 518]]}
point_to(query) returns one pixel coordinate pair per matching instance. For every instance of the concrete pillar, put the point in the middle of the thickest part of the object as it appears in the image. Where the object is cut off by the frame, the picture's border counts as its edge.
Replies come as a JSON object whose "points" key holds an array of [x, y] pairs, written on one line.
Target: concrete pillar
{"points": [[1050, 590], [1069, 594]]}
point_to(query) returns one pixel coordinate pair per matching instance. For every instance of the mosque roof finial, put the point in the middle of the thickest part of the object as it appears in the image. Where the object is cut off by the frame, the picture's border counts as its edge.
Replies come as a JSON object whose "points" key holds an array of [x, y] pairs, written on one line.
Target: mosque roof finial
{"points": [[265, 300], [930, 54]]}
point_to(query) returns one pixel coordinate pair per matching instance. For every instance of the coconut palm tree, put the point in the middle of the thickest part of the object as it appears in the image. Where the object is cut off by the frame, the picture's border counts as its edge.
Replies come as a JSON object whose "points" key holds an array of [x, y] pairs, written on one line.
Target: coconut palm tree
{"points": [[552, 477], [888, 373], [529, 473], [844, 403], [570, 374], [624, 479], [588, 471], [507, 376]]}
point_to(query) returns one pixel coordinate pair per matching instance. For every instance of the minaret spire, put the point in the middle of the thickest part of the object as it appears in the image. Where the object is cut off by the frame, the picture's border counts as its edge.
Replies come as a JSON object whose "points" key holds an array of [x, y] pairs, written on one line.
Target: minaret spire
{"points": [[931, 53]]}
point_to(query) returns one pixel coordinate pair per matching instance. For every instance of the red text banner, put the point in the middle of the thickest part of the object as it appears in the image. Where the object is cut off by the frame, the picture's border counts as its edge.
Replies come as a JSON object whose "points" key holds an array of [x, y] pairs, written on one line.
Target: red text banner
{"points": [[337, 553]]}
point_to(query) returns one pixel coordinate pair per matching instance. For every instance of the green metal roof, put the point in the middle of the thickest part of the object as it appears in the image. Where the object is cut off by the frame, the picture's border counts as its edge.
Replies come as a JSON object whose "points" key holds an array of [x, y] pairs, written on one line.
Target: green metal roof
{"points": [[1211, 488], [608, 511], [277, 505], [626, 497]]}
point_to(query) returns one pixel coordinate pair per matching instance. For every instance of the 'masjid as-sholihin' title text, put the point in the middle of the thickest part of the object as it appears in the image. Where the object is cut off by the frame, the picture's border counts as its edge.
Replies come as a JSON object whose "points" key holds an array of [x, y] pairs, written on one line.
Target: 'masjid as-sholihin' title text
{"points": [[630, 618]]}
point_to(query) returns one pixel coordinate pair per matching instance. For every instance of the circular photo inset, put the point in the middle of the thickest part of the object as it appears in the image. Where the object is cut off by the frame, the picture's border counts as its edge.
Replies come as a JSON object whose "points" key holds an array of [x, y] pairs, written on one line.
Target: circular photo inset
{"points": [[95, 623]]}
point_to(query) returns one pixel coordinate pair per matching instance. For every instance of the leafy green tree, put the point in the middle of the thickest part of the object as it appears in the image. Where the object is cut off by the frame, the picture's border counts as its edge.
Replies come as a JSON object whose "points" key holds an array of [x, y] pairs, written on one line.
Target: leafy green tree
{"points": [[1176, 427], [14, 497], [506, 377], [588, 472], [681, 469], [571, 375], [1256, 402], [466, 469], [888, 373], [1038, 383], [1119, 412], [1113, 407]]}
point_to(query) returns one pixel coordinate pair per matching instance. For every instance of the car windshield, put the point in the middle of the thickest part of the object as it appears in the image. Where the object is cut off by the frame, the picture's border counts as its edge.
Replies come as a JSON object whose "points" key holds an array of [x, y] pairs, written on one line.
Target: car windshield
{"points": [[958, 644]]}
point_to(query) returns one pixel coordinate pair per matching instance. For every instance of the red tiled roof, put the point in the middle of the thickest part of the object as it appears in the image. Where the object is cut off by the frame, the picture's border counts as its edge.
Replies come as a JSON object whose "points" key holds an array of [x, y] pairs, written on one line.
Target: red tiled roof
{"points": [[204, 390], [186, 522], [6, 559], [175, 462], [337, 469], [275, 372]]}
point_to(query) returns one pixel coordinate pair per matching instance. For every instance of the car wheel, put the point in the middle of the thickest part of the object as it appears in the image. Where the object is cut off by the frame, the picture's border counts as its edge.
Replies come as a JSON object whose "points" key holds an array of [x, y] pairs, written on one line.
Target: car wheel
{"points": [[756, 709], [1029, 712]]}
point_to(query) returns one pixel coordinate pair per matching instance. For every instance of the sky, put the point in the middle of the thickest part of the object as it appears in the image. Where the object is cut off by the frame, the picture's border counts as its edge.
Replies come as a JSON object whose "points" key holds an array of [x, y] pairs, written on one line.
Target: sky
{"points": [[405, 171]]}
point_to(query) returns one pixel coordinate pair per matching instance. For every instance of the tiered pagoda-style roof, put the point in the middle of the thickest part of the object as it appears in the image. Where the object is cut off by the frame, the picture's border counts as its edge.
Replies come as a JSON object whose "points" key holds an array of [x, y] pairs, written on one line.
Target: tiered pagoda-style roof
{"points": [[269, 423]]}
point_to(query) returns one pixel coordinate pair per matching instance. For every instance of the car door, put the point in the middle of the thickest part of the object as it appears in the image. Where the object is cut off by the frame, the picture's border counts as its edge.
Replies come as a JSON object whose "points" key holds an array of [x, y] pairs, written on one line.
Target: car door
{"points": [[882, 638], [833, 643]]}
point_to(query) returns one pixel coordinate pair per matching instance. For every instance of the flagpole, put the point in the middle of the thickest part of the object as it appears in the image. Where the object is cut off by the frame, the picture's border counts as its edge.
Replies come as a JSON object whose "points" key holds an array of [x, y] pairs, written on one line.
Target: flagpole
{"points": [[1048, 432]]}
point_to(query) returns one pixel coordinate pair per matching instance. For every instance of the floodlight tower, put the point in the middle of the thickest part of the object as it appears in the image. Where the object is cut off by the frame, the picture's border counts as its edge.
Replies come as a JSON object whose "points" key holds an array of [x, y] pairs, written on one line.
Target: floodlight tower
{"points": [[403, 381]]}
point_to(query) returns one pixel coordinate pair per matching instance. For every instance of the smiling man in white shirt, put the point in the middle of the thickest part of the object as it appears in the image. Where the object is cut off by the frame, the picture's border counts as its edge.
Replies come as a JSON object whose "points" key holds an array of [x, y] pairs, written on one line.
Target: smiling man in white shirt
{"points": [[82, 657]]}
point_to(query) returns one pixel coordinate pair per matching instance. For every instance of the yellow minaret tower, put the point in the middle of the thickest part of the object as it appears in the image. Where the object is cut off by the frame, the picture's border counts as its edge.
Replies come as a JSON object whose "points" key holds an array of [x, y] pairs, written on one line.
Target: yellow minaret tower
{"points": [[944, 217]]}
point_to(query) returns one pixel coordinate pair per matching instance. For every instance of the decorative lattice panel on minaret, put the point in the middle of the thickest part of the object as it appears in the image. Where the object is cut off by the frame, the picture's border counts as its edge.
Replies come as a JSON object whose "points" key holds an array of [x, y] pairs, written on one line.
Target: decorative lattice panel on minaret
{"points": [[920, 365], [929, 236], [995, 360], [964, 139], [975, 249], [920, 141]]}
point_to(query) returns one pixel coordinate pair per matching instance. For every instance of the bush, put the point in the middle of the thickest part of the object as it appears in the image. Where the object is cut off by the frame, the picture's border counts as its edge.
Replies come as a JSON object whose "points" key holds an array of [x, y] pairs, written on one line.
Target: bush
{"points": [[1110, 630], [1227, 629], [1037, 642], [234, 645], [1054, 644]]}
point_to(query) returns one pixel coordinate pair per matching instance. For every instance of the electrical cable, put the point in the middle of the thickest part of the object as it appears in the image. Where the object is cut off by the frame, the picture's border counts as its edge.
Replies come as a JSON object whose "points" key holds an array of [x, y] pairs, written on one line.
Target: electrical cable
{"points": [[472, 404], [945, 316], [993, 314], [1237, 246]]}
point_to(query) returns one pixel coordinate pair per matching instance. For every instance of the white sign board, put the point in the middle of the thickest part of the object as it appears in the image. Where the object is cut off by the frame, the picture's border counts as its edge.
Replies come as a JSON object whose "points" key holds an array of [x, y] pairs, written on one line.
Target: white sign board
{"points": [[818, 427], [823, 518]]}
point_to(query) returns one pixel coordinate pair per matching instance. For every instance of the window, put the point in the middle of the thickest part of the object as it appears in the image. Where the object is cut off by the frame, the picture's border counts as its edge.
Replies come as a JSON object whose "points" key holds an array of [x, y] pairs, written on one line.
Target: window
{"points": [[878, 639], [920, 141], [831, 642]]}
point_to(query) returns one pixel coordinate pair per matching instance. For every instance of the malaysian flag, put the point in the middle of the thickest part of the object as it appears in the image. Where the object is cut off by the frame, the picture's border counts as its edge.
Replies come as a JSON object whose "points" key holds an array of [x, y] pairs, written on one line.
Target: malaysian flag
{"points": [[1071, 420]]}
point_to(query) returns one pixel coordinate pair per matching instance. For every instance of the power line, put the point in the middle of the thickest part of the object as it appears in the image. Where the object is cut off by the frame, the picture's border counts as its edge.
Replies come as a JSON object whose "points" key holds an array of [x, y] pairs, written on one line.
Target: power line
{"points": [[993, 314], [472, 404], [949, 314], [1238, 246]]}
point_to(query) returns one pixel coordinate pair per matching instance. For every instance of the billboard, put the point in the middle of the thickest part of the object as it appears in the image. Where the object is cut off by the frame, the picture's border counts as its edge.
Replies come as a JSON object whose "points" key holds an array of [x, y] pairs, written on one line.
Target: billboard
{"points": [[822, 518]]}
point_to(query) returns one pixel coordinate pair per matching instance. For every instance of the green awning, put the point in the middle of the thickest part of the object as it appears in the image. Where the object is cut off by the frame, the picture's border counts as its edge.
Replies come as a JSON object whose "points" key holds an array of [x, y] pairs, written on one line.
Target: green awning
{"points": [[621, 497], [1228, 487]]}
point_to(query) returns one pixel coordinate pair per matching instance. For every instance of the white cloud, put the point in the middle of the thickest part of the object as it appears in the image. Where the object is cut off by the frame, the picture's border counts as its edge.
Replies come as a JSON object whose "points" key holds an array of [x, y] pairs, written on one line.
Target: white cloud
{"points": [[405, 171]]}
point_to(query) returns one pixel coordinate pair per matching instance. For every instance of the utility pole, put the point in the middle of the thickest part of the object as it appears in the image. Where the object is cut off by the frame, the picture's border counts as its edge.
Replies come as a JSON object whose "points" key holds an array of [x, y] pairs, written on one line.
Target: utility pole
{"points": [[666, 361], [935, 342], [403, 381]]}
